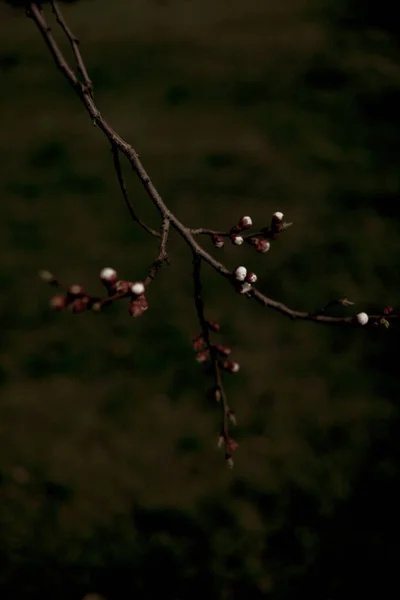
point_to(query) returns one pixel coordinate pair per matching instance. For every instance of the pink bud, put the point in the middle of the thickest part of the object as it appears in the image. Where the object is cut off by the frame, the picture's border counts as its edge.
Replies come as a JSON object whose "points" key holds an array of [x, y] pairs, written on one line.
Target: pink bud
{"points": [[388, 310], [213, 325], [201, 357], [261, 245], [79, 305], [58, 302], [277, 216], [244, 223], [198, 343], [142, 301], [218, 241], [231, 445], [224, 350], [231, 366], [251, 277], [122, 286], [135, 310]]}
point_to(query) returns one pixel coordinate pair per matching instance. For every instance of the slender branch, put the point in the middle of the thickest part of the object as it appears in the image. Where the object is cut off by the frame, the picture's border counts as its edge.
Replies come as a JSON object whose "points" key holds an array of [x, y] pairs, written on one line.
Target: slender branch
{"points": [[214, 363], [127, 150], [73, 40]]}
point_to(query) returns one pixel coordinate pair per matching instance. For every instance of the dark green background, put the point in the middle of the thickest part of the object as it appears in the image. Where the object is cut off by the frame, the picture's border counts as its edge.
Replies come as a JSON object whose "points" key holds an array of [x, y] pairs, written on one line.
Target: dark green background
{"points": [[110, 480]]}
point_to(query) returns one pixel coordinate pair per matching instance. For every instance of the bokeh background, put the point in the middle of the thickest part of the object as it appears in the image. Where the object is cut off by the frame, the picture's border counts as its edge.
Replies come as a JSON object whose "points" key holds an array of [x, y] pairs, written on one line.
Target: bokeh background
{"points": [[110, 480]]}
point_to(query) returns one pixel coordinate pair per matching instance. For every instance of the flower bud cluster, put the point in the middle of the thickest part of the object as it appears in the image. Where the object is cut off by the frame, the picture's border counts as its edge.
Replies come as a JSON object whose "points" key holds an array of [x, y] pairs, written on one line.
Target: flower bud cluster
{"points": [[77, 300]]}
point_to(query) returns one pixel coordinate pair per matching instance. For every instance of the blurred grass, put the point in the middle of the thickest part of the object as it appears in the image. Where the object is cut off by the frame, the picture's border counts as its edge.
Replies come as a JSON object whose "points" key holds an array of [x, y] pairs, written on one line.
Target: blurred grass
{"points": [[234, 108]]}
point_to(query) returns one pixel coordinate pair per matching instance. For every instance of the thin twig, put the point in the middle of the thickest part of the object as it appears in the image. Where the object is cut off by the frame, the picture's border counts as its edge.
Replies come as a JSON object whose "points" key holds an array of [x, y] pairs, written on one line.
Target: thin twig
{"points": [[73, 40], [214, 362], [162, 258], [135, 217]]}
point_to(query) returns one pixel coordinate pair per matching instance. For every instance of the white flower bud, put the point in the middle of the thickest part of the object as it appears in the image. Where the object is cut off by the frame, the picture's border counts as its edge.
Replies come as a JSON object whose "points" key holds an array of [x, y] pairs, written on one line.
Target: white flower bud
{"points": [[237, 240], [240, 273], [278, 215], [108, 275], [137, 288], [362, 318], [245, 223]]}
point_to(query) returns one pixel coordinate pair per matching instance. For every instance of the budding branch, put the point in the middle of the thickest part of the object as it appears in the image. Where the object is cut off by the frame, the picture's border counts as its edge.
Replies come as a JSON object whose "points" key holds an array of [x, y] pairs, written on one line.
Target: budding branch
{"points": [[83, 87]]}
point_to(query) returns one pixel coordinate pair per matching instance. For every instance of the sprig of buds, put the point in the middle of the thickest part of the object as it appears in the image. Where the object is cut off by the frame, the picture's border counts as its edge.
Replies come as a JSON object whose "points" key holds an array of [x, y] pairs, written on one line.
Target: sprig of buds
{"points": [[215, 356], [77, 300]]}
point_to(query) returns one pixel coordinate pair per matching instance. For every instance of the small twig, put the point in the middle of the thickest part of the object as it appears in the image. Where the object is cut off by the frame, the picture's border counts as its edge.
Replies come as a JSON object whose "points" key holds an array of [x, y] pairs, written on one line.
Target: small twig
{"points": [[199, 303], [73, 40], [118, 170], [162, 258]]}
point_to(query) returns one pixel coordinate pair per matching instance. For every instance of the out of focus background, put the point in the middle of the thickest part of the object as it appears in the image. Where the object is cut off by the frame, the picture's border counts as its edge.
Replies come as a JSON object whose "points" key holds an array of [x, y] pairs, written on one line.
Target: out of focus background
{"points": [[110, 479]]}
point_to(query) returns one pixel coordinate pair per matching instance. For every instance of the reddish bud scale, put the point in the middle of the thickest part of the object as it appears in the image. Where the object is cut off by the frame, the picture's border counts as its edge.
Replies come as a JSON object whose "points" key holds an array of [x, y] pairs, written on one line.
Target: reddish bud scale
{"points": [[388, 310]]}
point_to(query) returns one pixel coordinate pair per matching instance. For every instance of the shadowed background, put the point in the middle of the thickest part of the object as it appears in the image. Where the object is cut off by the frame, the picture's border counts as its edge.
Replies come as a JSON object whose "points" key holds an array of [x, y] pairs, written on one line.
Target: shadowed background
{"points": [[110, 478]]}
